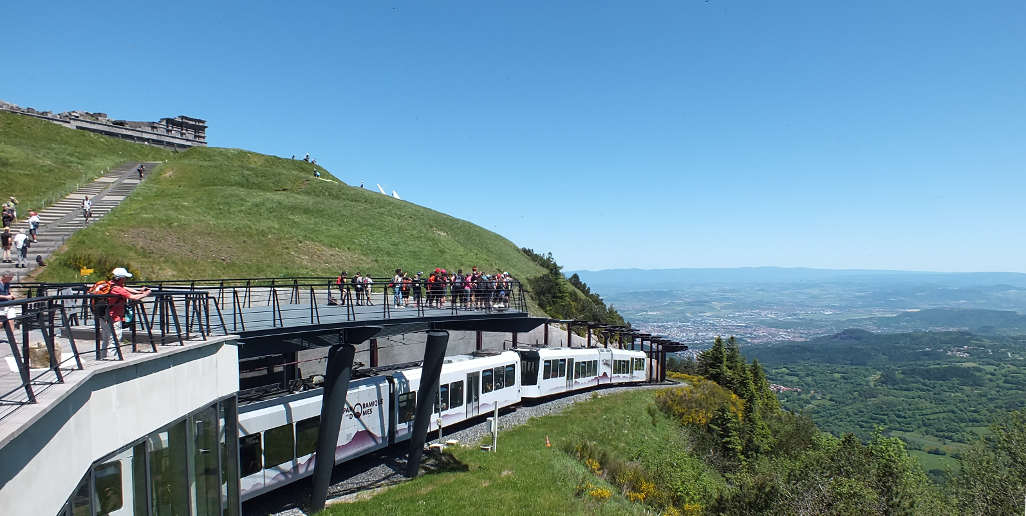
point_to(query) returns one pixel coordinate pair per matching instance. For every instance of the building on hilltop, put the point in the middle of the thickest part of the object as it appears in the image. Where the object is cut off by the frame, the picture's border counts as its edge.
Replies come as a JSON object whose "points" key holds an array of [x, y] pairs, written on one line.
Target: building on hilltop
{"points": [[179, 132]]}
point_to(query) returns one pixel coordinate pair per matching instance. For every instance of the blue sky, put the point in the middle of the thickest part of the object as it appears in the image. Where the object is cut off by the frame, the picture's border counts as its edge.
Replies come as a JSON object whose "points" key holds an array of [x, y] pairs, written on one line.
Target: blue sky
{"points": [[620, 134]]}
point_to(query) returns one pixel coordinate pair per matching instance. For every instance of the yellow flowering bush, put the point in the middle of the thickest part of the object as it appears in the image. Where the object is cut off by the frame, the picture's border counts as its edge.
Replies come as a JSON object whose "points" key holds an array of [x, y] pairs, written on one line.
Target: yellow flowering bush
{"points": [[697, 401]]}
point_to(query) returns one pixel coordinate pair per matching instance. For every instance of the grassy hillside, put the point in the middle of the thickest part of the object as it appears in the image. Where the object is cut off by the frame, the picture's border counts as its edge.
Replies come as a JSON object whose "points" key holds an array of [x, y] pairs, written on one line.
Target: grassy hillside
{"points": [[42, 162], [525, 477], [213, 212]]}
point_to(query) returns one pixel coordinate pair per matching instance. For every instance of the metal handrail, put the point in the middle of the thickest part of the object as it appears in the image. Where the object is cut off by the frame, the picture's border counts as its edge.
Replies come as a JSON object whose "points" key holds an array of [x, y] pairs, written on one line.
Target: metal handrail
{"points": [[52, 312]]}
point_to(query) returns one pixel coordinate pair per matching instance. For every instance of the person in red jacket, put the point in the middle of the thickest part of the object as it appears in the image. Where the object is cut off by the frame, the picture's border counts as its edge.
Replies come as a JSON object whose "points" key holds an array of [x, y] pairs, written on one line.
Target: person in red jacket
{"points": [[119, 296]]}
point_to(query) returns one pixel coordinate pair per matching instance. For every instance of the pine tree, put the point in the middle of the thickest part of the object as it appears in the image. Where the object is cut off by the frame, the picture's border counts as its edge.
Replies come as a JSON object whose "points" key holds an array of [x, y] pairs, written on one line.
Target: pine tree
{"points": [[767, 398], [726, 427]]}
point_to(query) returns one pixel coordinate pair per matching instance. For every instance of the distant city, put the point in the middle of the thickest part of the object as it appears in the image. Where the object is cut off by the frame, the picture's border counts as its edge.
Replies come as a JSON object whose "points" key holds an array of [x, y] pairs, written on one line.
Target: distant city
{"points": [[760, 306]]}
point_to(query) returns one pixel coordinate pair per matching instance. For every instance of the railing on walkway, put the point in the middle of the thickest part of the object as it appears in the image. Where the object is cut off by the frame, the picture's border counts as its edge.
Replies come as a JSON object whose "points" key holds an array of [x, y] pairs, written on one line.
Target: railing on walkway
{"points": [[156, 320], [245, 303], [180, 310]]}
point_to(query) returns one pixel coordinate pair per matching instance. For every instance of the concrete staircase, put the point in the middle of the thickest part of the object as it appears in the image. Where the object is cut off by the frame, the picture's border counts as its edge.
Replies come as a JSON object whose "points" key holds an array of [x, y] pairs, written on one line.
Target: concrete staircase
{"points": [[59, 221]]}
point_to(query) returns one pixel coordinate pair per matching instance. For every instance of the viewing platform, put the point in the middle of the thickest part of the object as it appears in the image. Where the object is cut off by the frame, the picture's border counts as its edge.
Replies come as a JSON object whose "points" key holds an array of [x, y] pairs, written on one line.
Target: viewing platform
{"points": [[193, 352]]}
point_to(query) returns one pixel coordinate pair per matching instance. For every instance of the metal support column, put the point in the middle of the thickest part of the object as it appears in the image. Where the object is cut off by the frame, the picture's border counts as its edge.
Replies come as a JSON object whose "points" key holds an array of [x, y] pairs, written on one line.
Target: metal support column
{"points": [[434, 353], [662, 364], [374, 352], [546, 333], [479, 344], [337, 374], [651, 359], [514, 340], [588, 345]]}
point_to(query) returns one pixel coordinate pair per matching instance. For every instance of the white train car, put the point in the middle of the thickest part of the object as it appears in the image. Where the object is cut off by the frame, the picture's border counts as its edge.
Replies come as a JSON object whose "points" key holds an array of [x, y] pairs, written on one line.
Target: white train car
{"points": [[278, 438], [468, 386], [550, 371], [627, 366]]}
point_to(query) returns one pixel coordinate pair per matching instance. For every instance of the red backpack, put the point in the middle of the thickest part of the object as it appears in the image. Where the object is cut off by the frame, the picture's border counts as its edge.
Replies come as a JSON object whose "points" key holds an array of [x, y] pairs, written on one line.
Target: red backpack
{"points": [[99, 304]]}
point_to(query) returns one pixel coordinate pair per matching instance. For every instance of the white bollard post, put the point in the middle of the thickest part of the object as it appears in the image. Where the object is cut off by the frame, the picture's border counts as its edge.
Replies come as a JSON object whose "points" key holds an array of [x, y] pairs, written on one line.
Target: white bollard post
{"points": [[495, 427]]}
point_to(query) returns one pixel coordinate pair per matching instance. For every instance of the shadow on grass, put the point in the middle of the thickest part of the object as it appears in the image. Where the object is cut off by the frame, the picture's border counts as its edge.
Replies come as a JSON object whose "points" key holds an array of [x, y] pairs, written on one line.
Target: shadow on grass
{"points": [[435, 461]]}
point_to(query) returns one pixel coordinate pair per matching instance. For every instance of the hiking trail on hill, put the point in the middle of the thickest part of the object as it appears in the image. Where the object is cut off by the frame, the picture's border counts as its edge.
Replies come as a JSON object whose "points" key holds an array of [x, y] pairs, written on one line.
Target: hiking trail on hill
{"points": [[62, 219]]}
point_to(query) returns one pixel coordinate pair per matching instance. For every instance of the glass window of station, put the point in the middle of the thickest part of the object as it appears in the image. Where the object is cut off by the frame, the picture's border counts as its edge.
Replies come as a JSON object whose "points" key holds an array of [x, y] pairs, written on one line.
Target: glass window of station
{"points": [[185, 468]]}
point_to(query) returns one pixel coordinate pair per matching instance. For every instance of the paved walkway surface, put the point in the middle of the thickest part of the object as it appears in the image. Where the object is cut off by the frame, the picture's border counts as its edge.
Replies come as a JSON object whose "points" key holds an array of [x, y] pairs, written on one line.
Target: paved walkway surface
{"points": [[59, 221]]}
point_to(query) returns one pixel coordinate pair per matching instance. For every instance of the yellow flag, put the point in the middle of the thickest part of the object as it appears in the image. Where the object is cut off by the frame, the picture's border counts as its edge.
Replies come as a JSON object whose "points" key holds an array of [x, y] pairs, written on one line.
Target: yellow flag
{"points": [[84, 271]]}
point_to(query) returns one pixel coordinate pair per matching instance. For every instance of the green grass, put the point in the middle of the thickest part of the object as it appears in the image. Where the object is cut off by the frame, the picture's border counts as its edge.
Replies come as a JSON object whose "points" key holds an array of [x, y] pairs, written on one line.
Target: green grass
{"points": [[212, 212], [936, 462], [41, 162], [525, 477]]}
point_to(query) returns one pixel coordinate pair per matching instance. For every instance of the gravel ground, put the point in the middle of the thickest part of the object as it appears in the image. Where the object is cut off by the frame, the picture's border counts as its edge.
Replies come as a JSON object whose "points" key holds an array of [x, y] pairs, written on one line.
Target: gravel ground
{"points": [[365, 476]]}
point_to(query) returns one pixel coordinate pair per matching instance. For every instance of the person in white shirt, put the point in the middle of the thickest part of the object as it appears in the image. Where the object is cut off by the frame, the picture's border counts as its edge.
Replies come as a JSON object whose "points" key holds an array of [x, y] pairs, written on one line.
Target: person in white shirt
{"points": [[368, 284], [397, 288], [21, 246], [33, 222], [87, 208]]}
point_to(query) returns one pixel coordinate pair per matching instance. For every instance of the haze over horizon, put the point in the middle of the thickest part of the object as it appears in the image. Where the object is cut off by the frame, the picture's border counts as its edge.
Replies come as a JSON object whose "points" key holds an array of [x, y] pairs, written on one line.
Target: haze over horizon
{"points": [[839, 136]]}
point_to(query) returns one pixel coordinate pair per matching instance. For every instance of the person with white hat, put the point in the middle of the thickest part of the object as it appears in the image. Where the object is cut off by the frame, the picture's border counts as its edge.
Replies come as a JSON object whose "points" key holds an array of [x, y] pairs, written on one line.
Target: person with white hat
{"points": [[119, 294]]}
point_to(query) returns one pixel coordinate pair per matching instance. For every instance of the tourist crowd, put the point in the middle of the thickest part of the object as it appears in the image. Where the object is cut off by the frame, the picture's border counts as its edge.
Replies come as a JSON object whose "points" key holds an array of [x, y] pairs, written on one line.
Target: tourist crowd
{"points": [[439, 288]]}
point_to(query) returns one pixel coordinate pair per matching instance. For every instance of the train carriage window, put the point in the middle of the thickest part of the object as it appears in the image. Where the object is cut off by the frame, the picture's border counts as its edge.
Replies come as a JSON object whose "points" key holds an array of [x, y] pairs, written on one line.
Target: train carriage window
{"points": [[306, 435], [107, 487], [528, 372], [486, 381], [249, 454], [80, 499], [443, 393], [511, 375], [577, 369], [406, 406], [594, 368], [456, 394], [278, 445], [562, 369], [639, 364], [547, 370], [500, 378]]}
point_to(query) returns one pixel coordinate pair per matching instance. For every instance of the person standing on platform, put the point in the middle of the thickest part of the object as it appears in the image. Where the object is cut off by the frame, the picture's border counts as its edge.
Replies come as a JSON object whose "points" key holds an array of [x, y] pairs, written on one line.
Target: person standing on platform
{"points": [[417, 285], [358, 288], [397, 288], [343, 289], [368, 284], [119, 295]]}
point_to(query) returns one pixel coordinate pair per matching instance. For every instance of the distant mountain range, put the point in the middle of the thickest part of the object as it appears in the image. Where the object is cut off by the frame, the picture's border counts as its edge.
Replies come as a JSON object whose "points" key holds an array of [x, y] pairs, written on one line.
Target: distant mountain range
{"points": [[669, 279]]}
